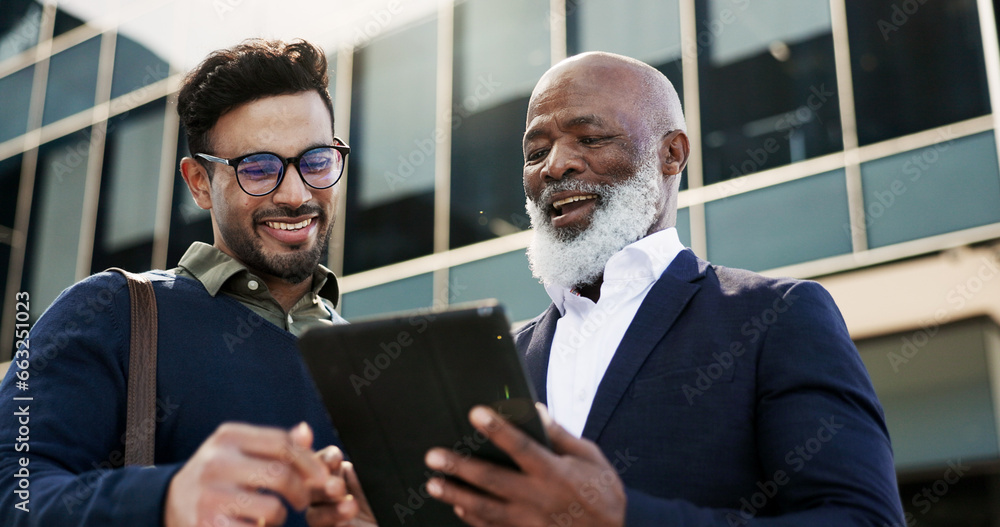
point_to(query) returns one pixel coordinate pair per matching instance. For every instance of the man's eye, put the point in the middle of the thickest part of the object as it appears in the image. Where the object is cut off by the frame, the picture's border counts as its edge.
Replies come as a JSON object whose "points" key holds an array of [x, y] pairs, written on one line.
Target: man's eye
{"points": [[591, 140], [536, 155]]}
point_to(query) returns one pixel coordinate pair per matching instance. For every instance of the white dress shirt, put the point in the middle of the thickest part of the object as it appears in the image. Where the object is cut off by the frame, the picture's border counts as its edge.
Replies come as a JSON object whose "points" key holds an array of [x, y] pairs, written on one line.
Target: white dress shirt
{"points": [[587, 334]]}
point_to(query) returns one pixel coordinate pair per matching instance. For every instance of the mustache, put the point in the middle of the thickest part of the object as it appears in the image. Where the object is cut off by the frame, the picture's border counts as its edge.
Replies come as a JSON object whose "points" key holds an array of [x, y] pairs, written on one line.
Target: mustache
{"points": [[551, 189], [305, 209]]}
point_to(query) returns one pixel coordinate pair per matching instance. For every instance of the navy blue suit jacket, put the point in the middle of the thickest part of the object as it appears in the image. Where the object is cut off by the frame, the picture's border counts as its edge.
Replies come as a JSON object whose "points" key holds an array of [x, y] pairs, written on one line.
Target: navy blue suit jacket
{"points": [[737, 399]]}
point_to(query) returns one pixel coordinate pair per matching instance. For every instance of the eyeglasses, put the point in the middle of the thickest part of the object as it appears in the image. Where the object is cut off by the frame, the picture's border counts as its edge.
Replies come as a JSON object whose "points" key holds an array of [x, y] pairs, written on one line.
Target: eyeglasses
{"points": [[258, 174]]}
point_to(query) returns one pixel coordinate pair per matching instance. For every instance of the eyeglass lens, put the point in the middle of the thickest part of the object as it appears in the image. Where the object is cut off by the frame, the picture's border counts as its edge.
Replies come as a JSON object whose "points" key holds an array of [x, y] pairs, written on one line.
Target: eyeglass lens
{"points": [[320, 167]]}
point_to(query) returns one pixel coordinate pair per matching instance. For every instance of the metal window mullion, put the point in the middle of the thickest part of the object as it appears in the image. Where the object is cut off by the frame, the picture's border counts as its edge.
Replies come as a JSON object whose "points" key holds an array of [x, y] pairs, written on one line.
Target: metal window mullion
{"points": [[26, 188], [165, 186], [343, 92], [692, 111], [991, 54], [443, 134], [848, 124], [557, 31], [95, 155]]}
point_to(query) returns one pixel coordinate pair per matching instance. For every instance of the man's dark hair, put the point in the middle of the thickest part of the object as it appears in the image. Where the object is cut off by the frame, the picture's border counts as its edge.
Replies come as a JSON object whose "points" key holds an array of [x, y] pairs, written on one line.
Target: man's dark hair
{"points": [[251, 70]]}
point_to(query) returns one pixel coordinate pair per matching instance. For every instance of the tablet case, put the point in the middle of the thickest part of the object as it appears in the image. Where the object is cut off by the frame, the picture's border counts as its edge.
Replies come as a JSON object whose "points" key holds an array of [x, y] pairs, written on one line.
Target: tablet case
{"points": [[398, 385]]}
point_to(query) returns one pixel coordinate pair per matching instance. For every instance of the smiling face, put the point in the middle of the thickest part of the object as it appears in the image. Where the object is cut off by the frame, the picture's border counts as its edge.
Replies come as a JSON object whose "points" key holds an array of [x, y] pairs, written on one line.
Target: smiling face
{"points": [[283, 234], [602, 158]]}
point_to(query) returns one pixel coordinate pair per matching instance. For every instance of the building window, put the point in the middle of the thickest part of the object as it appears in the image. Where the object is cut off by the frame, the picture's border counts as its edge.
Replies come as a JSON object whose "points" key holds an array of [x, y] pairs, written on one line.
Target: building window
{"points": [[126, 213], [72, 81], [916, 65], [492, 84], [768, 85], [394, 141]]}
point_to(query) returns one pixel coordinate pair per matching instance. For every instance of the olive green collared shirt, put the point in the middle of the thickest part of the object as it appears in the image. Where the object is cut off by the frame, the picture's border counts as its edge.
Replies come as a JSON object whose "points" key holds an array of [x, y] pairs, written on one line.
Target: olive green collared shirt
{"points": [[219, 272]]}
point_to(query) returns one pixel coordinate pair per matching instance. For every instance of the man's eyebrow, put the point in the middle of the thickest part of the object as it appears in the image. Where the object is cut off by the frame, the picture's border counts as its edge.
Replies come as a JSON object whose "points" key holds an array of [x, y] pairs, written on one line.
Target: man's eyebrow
{"points": [[583, 120]]}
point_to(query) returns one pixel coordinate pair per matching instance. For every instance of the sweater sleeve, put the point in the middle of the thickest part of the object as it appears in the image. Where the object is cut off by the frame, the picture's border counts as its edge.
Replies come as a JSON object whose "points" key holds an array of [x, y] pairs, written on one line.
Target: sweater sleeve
{"points": [[821, 436], [63, 406]]}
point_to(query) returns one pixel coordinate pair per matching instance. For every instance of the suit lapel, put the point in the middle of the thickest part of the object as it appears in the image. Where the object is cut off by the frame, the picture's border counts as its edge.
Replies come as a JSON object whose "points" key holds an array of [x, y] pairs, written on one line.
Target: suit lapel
{"points": [[536, 357], [657, 313]]}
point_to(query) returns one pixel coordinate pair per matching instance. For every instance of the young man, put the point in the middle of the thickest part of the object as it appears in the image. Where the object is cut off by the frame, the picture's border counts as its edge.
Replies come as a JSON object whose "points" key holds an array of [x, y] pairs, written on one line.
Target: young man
{"points": [[691, 394], [237, 415]]}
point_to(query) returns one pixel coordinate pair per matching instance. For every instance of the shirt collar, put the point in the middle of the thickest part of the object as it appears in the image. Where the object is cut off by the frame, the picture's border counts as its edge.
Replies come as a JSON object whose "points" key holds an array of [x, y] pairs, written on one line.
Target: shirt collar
{"points": [[214, 269], [645, 259]]}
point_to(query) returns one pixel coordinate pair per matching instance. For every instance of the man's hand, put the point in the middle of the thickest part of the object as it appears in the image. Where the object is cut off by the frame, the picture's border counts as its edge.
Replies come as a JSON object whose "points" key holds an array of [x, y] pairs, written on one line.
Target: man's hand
{"points": [[341, 499], [574, 481], [239, 474]]}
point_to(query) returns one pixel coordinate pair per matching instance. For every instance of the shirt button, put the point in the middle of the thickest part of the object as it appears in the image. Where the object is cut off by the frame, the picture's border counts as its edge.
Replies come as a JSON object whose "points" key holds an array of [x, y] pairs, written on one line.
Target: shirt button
{"points": [[289, 320], [581, 395], [253, 285]]}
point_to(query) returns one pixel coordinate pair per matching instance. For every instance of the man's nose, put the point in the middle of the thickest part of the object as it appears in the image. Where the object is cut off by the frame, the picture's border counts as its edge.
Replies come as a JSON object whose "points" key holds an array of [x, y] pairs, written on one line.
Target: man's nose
{"points": [[292, 190], [564, 160]]}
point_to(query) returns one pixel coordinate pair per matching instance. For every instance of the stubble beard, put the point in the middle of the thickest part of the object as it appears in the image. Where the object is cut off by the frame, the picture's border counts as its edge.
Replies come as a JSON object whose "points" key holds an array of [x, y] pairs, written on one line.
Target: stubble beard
{"points": [[292, 267], [622, 215]]}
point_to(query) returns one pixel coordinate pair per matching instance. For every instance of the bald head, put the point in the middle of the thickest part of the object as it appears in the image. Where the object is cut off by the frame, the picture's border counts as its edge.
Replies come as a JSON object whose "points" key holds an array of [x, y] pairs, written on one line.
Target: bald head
{"points": [[635, 85]]}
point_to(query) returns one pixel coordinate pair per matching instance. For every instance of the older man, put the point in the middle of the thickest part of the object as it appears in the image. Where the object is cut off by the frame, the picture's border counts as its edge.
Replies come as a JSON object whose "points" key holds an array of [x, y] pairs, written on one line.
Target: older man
{"points": [[688, 394], [237, 413]]}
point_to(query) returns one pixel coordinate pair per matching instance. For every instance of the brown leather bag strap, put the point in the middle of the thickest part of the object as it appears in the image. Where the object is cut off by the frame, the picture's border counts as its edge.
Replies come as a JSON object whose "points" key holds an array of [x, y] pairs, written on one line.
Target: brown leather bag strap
{"points": [[140, 415]]}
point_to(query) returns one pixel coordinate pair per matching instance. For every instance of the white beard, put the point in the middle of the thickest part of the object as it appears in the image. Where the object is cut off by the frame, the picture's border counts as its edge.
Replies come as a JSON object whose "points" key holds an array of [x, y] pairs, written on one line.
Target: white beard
{"points": [[623, 214]]}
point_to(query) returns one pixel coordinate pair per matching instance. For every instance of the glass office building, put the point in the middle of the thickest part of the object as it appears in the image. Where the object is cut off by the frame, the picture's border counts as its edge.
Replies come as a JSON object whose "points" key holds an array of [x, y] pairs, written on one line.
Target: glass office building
{"points": [[850, 142]]}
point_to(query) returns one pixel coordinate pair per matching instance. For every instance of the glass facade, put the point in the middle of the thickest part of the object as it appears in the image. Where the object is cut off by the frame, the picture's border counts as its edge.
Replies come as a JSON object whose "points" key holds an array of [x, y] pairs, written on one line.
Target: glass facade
{"points": [[833, 136]]}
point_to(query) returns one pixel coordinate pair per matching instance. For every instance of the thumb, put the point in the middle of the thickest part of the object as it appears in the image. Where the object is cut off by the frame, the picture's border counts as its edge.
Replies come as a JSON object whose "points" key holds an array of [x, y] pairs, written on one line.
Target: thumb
{"points": [[564, 442], [302, 435]]}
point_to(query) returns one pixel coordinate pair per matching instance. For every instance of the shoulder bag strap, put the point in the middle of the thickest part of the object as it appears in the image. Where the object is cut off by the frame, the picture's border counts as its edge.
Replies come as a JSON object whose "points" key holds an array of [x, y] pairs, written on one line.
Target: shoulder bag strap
{"points": [[140, 423]]}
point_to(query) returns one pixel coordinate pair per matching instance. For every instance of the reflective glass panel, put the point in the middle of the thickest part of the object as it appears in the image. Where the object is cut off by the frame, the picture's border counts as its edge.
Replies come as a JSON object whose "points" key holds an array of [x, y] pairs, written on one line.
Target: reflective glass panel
{"points": [[916, 65], [72, 81], [933, 383], [409, 293], [948, 186], [20, 21], [56, 213], [793, 222], [492, 84], [768, 85], [10, 182], [684, 226], [126, 211], [505, 277], [136, 65], [390, 180], [15, 91]]}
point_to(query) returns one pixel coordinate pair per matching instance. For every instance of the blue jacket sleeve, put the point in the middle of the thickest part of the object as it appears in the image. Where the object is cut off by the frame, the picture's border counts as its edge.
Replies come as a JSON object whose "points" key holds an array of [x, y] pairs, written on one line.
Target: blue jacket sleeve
{"points": [[61, 434], [821, 436]]}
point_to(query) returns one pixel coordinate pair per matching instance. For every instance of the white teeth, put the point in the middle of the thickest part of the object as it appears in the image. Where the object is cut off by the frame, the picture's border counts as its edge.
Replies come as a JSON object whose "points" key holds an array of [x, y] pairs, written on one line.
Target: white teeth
{"points": [[289, 226], [559, 204]]}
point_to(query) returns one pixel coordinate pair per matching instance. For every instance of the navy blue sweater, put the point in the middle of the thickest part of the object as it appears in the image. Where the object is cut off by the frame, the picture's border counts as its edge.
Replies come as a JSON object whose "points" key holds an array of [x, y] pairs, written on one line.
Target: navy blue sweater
{"points": [[217, 361]]}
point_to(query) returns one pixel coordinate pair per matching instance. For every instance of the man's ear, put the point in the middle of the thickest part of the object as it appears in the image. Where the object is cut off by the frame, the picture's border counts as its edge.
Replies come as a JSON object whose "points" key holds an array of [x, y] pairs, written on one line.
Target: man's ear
{"points": [[674, 152], [196, 177]]}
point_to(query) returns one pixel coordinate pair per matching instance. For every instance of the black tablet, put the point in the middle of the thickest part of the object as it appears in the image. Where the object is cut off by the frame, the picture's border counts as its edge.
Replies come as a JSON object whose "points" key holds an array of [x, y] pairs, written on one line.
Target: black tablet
{"points": [[398, 385]]}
